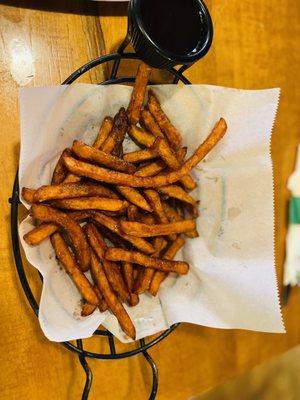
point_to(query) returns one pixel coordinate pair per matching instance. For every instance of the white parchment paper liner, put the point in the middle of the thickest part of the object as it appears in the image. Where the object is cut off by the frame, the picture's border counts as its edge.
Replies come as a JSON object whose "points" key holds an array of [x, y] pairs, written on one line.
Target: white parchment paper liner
{"points": [[232, 281]]}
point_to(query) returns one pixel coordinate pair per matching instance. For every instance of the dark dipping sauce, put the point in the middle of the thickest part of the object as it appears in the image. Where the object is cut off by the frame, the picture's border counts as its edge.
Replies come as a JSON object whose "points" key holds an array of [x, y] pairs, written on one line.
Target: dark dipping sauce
{"points": [[174, 25]]}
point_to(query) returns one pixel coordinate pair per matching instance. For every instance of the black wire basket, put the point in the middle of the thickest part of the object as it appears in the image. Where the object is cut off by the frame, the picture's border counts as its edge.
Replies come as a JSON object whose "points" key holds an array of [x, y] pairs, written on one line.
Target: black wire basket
{"points": [[142, 345]]}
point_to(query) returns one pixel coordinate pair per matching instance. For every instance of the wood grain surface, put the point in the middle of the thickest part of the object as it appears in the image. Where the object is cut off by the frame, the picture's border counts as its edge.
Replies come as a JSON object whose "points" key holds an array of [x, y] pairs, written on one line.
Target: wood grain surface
{"points": [[255, 46]]}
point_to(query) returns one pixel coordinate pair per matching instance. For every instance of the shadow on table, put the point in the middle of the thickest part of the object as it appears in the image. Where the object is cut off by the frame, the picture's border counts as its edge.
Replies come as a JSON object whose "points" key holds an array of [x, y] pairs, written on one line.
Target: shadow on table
{"points": [[82, 7]]}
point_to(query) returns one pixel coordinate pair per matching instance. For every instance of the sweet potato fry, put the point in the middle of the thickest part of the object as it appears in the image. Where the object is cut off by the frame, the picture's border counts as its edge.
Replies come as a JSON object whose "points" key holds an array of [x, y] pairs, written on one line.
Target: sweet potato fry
{"points": [[151, 169], [166, 153], [146, 218], [71, 190], [150, 124], [75, 233], [44, 230], [138, 93], [155, 202], [145, 276], [102, 303], [159, 276], [111, 299], [177, 192], [60, 171], [163, 121], [154, 167], [173, 216], [135, 257], [102, 135], [132, 213], [113, 225], [140, 155], [104, 131], [87, 309], [144, 230], [72, 178], [119, 178], [40, 233], [112, 270], [129, 279], [118, 132], [91, 203], [65, 257], [140, 136], [173, 161], [28, 194], [128, 275], [135, 197], [81, 215], [89, 153]]}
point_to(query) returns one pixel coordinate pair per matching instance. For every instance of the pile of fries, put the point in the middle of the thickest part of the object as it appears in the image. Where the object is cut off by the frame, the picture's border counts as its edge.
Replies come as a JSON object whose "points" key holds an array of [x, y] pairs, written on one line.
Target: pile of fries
{"points": [[98, 220]]}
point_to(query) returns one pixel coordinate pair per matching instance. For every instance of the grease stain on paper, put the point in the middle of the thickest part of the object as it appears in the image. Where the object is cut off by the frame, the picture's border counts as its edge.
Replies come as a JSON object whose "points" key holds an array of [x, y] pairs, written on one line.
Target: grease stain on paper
{"points": [[233, 212]]}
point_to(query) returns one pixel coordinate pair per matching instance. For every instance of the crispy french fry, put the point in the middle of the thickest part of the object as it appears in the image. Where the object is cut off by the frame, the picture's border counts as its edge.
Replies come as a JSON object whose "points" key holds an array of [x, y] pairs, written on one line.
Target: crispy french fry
{"points": [[154, 167], [112, 270], [102, 303], [192, 234], [177, 192], [89, 153], [135, 257], [60, 171], [135, 197], [87, 309], [44, 230], [173, 161], [174, 248], [75, 233], [118, 132], [160, 244], [151, 169], [72, 178], [150, 123], [129, 279], [128, 275], [140, 230], [40, 233], [166, 153], [104, 131], [155, 202], [91, 203], [132, 213], [119, 178], [163, 121], [138, 93], [159, 276], [146, 218], [145, 276], [65, 257], [113, 225], [28, 194], [71, 190], [140, 155], [174, 216], [181, 153], [111, 299], [140, 136]]}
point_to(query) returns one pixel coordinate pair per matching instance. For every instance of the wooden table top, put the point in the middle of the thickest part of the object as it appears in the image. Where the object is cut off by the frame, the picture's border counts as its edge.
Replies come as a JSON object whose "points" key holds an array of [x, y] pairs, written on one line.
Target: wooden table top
{"points": [[255, 46]]}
